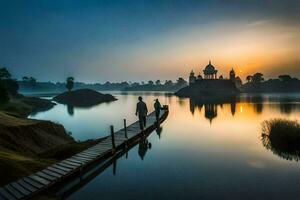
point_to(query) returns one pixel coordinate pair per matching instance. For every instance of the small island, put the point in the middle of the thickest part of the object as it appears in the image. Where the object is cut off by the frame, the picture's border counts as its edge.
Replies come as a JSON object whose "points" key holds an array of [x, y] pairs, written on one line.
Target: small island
{"points": [[83, 98]]}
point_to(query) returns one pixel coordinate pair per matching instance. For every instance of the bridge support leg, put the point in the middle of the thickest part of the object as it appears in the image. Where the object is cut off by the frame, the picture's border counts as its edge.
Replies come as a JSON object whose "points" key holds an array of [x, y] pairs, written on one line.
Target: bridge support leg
{"points": [[126, 136], [113, 139]]}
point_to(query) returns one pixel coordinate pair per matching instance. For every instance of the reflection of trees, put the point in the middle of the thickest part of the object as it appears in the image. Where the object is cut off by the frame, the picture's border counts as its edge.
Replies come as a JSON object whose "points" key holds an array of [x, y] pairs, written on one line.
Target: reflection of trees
{"points": [[258, 103], [258, 107], [286, 106], [70, 110]]}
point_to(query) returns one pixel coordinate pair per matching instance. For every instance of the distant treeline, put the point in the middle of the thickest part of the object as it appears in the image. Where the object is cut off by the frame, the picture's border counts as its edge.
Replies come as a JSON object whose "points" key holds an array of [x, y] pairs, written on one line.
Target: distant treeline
{"points": [[30, 84], [257, 84]]}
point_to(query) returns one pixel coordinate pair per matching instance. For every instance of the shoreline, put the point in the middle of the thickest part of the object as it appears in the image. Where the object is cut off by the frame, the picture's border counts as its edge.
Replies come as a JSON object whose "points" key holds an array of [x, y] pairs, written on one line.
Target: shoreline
{"points": [[28, 145]]}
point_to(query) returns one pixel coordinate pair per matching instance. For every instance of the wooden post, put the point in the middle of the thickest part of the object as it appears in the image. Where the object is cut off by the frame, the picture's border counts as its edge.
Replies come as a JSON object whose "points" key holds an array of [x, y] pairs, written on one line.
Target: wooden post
{"points": [[125, 129], [126, 136], [115, 167], [80, 172], [113, 139]]}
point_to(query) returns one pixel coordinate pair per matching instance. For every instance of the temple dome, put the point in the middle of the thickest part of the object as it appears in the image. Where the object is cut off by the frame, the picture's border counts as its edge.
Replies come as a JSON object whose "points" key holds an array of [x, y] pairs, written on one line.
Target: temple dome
{"points": [[209, 69]]}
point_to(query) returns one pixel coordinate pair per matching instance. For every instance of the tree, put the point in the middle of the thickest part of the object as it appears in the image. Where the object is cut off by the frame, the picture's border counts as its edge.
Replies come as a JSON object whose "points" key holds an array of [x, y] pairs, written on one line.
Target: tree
{"points": [[150, 82], [249, 78], [238, 82], [285, 77], [11, 86], [181, 81], [4, 74], [157, 82], [257, 77], [70, 83], [3, 94], [25, 78]]}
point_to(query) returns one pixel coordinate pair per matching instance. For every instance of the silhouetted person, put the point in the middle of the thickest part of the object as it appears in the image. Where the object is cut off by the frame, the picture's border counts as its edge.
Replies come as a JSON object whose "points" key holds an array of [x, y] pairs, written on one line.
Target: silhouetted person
{"points": [[141, 111], [157, 108]]}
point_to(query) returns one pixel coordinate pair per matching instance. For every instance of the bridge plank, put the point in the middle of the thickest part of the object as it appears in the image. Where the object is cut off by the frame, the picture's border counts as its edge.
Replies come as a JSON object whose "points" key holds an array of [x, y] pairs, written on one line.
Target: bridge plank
{"points": [[14, 192], [61, 168], [90, 153], [81, 159], [21, 189], [58, 171], [74, 162], [100, 147], [27, 186], [99, 152], [50, 173], [75, 165], [39, 179], [72, 167], [45, 176], [6, 194], [86, 156], [33, 183]]}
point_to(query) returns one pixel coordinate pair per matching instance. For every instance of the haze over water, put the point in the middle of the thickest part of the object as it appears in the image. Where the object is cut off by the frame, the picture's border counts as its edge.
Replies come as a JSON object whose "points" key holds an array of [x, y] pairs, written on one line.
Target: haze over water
{"points": [[202, 152]]}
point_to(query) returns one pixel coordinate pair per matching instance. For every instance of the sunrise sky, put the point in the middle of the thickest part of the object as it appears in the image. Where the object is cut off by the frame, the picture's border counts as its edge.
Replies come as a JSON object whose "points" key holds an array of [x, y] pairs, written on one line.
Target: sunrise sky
{"points": [[143, 39]]}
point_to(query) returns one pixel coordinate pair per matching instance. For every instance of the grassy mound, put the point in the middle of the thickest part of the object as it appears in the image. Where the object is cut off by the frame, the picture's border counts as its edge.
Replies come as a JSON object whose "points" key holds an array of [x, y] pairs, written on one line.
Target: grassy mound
{"points": [[282, 137], [22, 106], [83, 98]]}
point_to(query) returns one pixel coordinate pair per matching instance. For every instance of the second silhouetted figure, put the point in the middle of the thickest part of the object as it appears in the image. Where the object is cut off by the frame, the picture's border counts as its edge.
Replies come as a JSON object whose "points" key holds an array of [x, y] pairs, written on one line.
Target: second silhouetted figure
{"points": [[141, 111]]}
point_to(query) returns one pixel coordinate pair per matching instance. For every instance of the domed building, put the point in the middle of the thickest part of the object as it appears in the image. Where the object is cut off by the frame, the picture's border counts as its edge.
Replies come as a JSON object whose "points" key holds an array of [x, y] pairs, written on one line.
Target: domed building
{"points": [[210, 84], [210, 72]]}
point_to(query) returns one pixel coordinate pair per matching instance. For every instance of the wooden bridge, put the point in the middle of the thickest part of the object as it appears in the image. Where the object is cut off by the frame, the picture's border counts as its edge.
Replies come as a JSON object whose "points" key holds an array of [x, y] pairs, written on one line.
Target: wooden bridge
{"points": [[55, 174]]}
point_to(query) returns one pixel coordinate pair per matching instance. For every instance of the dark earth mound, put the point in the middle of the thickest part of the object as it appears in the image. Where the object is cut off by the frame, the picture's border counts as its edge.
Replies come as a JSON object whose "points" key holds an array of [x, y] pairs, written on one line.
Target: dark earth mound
{"points": [[83, 98]]}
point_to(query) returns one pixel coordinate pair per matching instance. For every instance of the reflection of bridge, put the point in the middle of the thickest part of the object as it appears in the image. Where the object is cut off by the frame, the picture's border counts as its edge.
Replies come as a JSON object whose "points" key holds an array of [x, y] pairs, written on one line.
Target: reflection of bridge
{"points": [[106, 152], [75, 183]]}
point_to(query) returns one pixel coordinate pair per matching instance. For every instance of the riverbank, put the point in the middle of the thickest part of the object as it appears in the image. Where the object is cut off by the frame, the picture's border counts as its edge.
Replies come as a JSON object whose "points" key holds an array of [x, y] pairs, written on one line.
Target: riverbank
{"points": [[28, 145]]}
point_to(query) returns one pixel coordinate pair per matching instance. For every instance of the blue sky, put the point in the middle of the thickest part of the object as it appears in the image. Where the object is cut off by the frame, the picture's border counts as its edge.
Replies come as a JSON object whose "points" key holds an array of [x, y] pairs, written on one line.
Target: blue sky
{"points": [[142, 40]]}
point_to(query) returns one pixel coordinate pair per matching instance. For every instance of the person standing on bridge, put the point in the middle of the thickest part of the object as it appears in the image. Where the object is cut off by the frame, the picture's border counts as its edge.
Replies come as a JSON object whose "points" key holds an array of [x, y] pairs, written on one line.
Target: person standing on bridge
{"points": [[157, 108], [141, 111]]}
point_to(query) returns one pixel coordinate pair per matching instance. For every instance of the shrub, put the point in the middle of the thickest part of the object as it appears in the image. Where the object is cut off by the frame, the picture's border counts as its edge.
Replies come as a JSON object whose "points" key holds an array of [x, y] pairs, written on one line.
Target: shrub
{"points": [[282, 137], [3, 94]]}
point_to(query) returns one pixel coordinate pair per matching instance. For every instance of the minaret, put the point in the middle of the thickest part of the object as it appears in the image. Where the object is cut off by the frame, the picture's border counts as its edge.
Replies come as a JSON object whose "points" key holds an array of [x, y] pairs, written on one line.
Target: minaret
{"points": [[192, 78], [232, 75]]}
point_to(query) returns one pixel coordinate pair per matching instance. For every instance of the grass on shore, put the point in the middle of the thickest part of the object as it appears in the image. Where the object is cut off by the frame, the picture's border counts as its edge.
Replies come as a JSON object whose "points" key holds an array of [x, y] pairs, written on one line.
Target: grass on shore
{"points": [[15, 165], [282, 136]]}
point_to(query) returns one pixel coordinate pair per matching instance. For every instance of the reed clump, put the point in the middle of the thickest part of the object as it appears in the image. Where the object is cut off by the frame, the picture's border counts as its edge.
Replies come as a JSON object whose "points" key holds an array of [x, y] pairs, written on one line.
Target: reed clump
{"points": [[282, 137]]}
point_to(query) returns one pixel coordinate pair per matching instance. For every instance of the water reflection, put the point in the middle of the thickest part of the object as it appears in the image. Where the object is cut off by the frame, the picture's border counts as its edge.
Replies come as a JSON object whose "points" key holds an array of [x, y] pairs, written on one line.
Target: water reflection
{"points": [[211, 106], [159, 131], [284, 105], [144, 145], [280, 149], [76, 183], [70, 110]]}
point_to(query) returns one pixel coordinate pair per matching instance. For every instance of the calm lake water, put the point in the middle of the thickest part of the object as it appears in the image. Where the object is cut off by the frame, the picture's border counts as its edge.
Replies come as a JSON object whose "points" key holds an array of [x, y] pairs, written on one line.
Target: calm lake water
{"points": [[204, 151]]}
